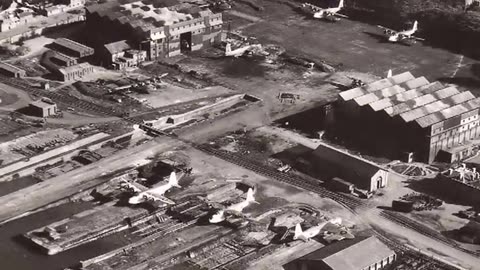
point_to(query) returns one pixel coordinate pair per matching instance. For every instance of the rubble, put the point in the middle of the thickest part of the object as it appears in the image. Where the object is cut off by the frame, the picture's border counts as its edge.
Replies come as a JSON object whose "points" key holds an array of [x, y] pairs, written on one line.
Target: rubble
{"points": [[422, 202]]}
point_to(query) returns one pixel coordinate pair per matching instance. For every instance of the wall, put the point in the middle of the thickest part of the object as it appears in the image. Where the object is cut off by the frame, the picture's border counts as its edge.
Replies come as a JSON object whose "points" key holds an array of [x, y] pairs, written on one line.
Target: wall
{"points": [[450, 190], [8, 171]]}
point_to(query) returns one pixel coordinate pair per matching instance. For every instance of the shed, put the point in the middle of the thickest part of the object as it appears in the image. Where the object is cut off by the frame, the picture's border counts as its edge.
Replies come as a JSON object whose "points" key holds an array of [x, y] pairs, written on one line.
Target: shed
{"points": [[42, 108], [11, 70], [362, 173]]}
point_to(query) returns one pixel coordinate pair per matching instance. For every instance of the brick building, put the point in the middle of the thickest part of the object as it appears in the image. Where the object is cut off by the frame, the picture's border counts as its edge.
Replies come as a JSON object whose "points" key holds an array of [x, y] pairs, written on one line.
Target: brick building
{"points": [[403, 114], [161, 28]]}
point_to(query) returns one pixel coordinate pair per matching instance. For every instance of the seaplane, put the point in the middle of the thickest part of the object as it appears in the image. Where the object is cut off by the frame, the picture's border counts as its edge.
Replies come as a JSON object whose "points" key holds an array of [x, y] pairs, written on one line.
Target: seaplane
{"points": [[234, 209], [241, 50], [329, 14], [331, 230], [155, 194], [404, 35]]}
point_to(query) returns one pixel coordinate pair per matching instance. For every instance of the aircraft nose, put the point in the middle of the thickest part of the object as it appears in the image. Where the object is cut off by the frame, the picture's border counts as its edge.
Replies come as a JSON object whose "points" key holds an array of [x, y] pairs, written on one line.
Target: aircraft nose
{"points": [[133, 200]]}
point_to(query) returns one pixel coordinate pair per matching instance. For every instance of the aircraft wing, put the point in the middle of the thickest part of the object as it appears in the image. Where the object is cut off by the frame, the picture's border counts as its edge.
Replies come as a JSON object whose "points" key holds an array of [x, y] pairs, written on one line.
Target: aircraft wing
{"points": [[387, 30], [417, 38], [137, 188], [161, 199], [341, 15], [234, 213]]}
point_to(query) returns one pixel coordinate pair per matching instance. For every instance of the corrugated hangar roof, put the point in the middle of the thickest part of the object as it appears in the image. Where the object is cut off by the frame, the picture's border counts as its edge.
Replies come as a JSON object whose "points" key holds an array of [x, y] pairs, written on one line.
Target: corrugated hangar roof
{"points": [[377, 85], [374, 96], [436, 106], [421, 101], [415, 83], [447, 113], [402, 97]]}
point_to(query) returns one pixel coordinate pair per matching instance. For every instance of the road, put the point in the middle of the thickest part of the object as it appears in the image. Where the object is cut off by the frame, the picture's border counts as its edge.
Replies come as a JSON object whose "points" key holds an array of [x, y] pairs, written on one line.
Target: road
{"points": [[83, 178], [357, 46]]}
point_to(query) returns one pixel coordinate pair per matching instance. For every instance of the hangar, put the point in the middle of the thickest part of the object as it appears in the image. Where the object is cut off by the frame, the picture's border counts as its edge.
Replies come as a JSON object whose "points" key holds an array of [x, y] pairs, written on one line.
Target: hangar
{"points": [[404, 114]]}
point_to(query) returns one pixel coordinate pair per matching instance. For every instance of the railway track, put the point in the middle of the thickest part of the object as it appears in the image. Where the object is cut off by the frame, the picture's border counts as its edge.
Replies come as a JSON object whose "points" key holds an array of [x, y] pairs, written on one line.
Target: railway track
{"points": [[295, 180]]}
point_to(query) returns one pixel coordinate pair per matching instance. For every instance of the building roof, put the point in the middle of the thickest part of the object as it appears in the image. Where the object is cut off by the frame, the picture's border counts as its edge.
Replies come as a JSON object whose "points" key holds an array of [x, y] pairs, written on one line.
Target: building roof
{"points": [[11, 68], [358, 167], [72, 45], [421, 101], [351, 254], [436, 106], [151, 15], [41, 104], [402, 97], [116, 47], [377, 85], [377, 95], [63, 57], [447, 113]]}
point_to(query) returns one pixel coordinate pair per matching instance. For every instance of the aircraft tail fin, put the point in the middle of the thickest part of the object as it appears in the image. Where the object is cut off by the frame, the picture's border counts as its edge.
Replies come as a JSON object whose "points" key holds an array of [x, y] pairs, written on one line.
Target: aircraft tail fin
{"points": [[173, 180], [298, 232], [228, 48], [250, 197], [389, 73], [415, 26], [341, 4]]}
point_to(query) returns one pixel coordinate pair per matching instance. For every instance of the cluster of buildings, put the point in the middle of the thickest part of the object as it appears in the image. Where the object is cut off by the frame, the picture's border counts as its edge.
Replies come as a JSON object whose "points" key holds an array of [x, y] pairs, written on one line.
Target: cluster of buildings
{"points": [[23, 13], [66, 60], [403, 116], [159, 29]]}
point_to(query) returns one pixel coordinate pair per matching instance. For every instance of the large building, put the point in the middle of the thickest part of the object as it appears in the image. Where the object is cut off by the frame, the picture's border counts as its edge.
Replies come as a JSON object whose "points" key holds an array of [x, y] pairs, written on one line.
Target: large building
{"points": [[361, 253], [402, 115], [161, 28]]}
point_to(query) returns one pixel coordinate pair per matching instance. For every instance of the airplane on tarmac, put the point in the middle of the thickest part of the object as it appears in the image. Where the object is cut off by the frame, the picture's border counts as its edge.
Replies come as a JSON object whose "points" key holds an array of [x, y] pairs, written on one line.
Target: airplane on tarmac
{"points": [[246, 48], [331, 230], [325, 13], [234, 209], [153, 194], [396, 36]]}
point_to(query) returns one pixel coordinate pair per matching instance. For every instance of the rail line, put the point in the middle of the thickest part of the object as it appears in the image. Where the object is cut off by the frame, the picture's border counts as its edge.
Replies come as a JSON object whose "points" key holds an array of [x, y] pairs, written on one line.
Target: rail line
{"points": [[295, 180], [422, 229]]}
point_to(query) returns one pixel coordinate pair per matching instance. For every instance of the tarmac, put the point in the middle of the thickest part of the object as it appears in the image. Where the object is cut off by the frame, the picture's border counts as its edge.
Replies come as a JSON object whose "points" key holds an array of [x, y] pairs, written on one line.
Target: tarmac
{"points": [[356, 46]]}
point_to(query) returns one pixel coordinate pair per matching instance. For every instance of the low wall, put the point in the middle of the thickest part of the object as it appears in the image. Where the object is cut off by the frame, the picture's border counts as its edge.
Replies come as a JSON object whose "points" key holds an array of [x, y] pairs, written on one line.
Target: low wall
{"points": [[212, 108], [7, 172], [449, 190]]}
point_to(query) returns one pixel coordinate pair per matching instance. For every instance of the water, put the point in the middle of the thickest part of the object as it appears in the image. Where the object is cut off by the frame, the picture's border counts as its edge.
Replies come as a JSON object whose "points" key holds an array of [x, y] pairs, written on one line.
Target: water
{"points": [[17, 253], [17, 184]]}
